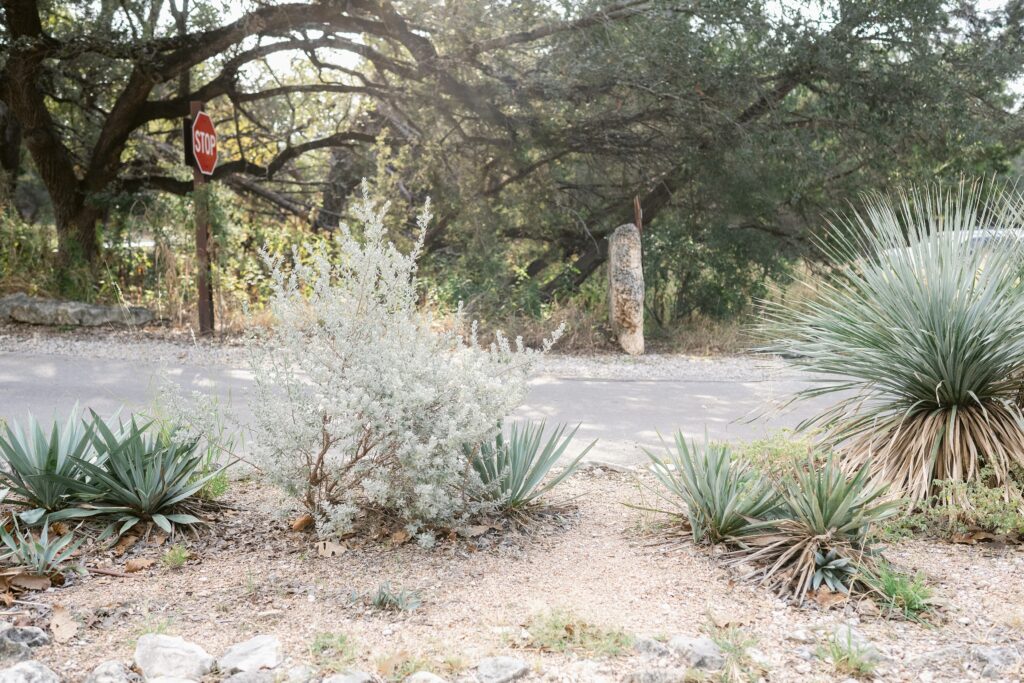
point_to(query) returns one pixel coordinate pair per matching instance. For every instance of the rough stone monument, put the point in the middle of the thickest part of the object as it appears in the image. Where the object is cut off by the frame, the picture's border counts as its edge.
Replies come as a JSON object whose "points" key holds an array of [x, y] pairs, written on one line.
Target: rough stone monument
{"points": [[626, 288]]}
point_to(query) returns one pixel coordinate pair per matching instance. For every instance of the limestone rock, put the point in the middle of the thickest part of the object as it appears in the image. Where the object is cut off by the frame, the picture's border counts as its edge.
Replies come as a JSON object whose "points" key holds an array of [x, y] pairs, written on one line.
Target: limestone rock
{"points": [[258, 676], [626, 288], [350, 676], [31, 636], [424, 677], [111, 672], [997, 661], [28, 672], [699, 653], [22, 308], [658, 676], [651, 647], [501, 669], [847, 636], [261, 652], [304, 673], [11, 651], [158, 655]]}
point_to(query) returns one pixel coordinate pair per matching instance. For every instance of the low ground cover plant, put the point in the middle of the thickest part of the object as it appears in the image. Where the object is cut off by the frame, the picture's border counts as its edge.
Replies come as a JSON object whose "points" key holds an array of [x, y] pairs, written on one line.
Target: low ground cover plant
{"points": [[364, 403], [562, 631], [916, 332]]}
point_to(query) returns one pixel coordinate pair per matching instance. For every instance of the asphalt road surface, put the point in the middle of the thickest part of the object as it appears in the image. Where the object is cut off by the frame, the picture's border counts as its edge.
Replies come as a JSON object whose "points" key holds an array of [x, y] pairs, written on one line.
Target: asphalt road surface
{"points": [[625, 415]]}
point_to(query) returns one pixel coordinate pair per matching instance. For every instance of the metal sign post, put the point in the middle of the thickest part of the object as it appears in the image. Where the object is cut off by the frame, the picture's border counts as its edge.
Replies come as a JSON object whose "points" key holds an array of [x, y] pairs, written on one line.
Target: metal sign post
{"points": [[203, 143]]}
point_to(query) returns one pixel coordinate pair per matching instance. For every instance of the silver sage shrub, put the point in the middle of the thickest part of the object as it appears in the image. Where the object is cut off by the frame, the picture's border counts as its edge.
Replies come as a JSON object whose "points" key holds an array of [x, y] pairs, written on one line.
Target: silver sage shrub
{"points": [[362, 400]]}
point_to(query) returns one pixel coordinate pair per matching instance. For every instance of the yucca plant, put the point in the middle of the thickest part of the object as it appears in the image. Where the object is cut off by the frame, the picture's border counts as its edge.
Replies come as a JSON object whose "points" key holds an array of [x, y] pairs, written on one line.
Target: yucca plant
{"points": [[724, 498], [38, 555], [140, 476], [917, 334], [512, 469], [39, 464], [825, 513]]}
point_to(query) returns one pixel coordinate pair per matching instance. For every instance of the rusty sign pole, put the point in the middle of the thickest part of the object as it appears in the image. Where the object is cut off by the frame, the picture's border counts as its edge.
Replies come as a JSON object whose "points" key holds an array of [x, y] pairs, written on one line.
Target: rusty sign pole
{"points": [[204, 286]]}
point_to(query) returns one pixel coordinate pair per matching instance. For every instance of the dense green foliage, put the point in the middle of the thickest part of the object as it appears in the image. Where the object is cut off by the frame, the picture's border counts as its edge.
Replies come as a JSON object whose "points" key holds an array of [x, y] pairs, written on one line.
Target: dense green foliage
{"points": [[532, 124]]}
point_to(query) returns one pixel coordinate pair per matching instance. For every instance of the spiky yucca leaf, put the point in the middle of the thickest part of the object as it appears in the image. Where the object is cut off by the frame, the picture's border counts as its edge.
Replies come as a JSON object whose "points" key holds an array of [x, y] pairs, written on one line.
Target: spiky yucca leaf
{"points": [[917, 333], [513, 469], [39, 555], [724, 498], [825, 514], [141, 476], [37, 462]]}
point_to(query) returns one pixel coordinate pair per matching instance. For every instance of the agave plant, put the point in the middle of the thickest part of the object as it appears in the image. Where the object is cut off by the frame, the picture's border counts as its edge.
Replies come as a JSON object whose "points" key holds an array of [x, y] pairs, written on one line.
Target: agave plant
{"points": [[725, 498], [825, 515], [39, 555], [39, 465], [140, 476], [917, 333], [833, 570], [512, 469]]}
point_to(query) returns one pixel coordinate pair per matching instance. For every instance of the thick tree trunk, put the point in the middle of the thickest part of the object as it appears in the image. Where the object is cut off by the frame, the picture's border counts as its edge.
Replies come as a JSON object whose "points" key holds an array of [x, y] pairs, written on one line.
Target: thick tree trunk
{"points": [[77, 246], [10, 152]]}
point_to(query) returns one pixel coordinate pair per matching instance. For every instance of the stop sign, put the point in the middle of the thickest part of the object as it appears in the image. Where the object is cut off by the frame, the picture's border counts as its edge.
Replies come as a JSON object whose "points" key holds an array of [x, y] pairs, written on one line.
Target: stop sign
{"points": [[204, 143]]}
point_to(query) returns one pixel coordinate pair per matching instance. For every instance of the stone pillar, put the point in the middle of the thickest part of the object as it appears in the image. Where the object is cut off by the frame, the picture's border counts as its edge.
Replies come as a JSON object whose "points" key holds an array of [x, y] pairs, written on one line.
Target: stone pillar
{"points": [[626, 288]]}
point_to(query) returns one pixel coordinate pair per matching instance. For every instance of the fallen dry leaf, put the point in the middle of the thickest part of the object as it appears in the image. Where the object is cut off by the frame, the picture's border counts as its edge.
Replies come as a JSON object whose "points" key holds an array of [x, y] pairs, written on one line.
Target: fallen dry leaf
{"points": [[124, 544], [63, 626], [826, 598], [138, 564], [31, 582], [388, 666], [302, 523], [329, 549]]}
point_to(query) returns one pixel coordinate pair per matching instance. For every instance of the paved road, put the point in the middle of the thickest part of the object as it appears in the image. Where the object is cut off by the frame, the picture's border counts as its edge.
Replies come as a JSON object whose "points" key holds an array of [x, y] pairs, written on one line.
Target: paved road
{"points": [[623, 414]]}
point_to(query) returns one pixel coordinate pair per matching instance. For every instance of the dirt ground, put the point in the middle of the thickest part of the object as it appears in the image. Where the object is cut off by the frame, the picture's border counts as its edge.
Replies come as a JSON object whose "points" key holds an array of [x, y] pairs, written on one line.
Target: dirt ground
{"points": [[251, 574]]}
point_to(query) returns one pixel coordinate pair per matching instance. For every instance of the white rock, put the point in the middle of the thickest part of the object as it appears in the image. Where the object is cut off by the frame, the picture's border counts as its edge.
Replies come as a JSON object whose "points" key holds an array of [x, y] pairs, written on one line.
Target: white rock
{"points": [[501, 669], [158, 655], [28, 672], [350, 676], [424, 677], [32, 636], [303, 673], [996, 661], [258, 676], [261, 652], [651, 647], [700, 653], [109, 672]]}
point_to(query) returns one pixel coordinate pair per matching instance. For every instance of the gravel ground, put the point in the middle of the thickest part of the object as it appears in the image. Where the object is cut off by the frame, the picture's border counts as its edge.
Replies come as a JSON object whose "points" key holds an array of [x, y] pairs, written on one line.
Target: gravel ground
{"points": [[165, 346], [599, 562]]}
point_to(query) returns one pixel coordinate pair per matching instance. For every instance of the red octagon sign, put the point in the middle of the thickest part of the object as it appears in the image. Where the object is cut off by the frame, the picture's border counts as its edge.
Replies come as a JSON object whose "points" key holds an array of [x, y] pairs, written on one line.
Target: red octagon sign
{"points": [[204, 143]]}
